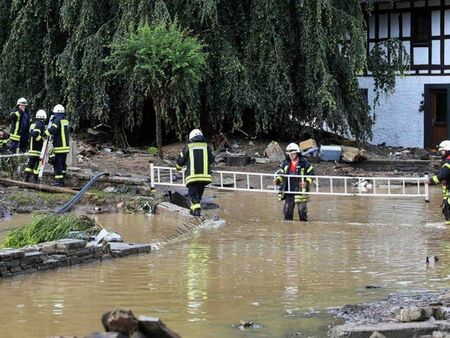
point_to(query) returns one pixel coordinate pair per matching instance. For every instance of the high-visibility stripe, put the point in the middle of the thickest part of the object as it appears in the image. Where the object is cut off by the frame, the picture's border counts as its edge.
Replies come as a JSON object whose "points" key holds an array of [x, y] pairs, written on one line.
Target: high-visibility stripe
{"points": [[435, 179], [14, 137], [198, 178], [446, 165], [64, 123], [310, 168], [195, 206], [179, 167], [28, 170], [33, 153], [61, 150], [58, 176]]}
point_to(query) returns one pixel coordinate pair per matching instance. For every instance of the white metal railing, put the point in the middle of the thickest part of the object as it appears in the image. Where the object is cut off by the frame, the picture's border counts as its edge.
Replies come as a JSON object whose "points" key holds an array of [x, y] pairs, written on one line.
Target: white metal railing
{"points": [[322, 185]]}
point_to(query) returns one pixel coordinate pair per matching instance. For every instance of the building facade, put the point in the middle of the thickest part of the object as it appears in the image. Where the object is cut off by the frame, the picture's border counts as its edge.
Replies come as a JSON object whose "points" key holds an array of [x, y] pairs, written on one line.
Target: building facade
{"points": [[417, 113]]}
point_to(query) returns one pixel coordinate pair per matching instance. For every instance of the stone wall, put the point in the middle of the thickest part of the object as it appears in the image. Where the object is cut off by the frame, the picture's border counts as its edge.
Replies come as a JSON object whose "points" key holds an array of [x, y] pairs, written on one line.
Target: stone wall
{"points": [[62, 253]]}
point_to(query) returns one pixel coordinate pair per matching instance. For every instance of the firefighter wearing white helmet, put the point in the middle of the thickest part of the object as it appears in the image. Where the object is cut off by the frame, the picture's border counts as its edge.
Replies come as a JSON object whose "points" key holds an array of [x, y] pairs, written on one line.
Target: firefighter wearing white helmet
{"points": [[293, 190], [197, 157], [443, 176], [20, 125], [37, 133], [59, 129]]}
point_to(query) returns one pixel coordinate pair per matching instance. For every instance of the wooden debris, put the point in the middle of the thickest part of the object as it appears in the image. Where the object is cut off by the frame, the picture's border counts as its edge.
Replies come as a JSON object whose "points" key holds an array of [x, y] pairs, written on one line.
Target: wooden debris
{"points": [[42, 187]]}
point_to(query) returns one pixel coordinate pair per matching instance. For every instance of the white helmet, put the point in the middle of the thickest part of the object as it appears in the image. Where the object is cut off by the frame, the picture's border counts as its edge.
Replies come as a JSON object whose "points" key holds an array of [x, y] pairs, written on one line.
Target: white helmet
{"points": [[59, 108], [292, 148], [41, 114], [444, 145], [22, 100], [194, 133]]}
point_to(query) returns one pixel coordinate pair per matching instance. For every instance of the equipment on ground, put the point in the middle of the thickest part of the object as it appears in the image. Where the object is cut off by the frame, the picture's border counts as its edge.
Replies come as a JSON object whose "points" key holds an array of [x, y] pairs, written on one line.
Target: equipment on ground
{"points": [[43, 156], [66, 207]]}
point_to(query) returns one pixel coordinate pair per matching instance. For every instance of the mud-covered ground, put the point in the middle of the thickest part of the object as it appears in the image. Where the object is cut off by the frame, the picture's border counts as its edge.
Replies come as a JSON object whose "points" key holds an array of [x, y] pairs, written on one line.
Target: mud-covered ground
{"points": [[135, 161], [388, 308], [95, 154]]}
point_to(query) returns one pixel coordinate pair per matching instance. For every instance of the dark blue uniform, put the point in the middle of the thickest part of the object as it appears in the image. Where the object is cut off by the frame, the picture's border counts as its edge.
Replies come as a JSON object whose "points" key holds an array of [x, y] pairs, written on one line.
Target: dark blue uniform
{"points": [[197, 157], [443, 176], [37, 132], [292, 184], [19, 130], [60, 131]]}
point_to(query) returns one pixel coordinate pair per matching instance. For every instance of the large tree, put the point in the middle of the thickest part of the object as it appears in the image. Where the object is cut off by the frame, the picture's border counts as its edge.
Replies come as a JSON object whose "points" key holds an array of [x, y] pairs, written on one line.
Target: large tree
{"points": [[271, 65], [167, 61]]}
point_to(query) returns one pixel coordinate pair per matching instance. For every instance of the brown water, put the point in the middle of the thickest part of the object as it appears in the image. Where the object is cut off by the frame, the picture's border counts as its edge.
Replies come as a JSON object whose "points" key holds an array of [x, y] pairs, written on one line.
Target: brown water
{"points": [[283, 275]]}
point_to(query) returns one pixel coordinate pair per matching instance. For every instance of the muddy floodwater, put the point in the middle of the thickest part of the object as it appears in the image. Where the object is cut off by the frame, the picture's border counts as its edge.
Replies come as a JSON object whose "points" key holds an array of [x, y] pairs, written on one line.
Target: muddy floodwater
{"points": [[255, 267]]}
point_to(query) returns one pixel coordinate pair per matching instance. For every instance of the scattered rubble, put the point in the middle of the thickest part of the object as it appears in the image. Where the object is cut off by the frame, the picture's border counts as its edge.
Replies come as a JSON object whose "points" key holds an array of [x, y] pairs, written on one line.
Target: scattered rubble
{"points": [[412, 314]]}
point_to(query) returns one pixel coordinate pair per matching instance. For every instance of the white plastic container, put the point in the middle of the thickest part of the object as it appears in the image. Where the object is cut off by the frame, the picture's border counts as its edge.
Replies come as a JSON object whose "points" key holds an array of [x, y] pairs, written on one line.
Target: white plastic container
{"points": [[330, 153]]}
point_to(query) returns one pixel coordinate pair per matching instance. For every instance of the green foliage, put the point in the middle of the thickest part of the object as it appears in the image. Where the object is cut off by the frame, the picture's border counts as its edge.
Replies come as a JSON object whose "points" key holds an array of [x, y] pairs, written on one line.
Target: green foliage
{"points": [[282, 65], [152, 151], [45, 228], [168, 63]]}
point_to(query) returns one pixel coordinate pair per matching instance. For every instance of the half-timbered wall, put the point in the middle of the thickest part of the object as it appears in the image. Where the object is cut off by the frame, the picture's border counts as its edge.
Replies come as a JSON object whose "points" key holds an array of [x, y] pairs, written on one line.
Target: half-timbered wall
{"points": [[422, 26], [424, 29]]}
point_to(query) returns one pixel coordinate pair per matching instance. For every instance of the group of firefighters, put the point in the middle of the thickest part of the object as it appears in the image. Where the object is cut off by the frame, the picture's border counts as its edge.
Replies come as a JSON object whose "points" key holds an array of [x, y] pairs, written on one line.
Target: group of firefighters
{"points": [[28, 135]]}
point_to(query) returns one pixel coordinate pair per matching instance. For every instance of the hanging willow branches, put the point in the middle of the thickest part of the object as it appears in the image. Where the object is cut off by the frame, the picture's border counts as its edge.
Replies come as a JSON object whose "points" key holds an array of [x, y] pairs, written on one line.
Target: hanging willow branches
{"points": [[273, 65]]}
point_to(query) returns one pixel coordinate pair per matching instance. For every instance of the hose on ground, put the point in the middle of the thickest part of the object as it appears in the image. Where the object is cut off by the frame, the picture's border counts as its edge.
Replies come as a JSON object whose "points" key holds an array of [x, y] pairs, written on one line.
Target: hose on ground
{"points": [[66, 207]]}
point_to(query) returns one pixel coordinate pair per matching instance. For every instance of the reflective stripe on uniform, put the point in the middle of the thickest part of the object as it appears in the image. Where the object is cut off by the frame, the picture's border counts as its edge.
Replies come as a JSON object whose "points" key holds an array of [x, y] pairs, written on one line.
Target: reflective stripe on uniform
{"points": [[195, 206]]}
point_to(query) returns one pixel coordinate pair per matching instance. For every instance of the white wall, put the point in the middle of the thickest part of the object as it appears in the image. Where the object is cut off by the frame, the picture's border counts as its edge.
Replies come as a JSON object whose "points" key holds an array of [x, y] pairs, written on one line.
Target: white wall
{"points": [[398, 119]]}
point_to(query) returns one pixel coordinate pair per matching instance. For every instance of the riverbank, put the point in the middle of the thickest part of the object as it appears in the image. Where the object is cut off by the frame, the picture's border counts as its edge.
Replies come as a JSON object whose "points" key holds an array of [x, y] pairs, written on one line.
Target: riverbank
{"points": [[70, 252], [420, 313]]}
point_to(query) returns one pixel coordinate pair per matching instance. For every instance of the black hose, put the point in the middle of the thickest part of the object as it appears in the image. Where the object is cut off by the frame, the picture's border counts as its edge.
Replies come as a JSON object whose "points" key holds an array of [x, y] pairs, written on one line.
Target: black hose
{"points": [[66, 207]]}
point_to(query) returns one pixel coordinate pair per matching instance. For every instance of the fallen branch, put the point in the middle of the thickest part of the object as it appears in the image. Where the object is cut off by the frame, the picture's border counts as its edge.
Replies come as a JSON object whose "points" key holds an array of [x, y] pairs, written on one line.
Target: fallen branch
{"points": [[41, 187]]}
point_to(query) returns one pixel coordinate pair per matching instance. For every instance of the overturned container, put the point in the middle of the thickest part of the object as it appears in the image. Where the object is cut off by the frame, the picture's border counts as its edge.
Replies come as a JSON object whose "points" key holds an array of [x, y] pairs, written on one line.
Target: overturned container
{"points": [[330, 153]]}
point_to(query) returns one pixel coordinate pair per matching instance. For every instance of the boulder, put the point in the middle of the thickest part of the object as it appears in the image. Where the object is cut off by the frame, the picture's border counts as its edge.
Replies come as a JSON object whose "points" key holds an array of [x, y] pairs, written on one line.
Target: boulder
{"points": [[122, 321], [350, 154], [274, 152], [155, 328]]}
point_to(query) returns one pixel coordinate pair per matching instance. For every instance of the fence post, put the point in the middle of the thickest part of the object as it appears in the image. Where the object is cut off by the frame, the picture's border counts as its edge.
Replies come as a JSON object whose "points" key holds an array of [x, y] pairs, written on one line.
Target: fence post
{"points": [[152, 176], [427, 189]]}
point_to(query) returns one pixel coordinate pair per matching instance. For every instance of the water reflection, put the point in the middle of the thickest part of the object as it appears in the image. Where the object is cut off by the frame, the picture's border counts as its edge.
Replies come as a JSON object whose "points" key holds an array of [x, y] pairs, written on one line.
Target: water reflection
{"points": [[198, 256]]}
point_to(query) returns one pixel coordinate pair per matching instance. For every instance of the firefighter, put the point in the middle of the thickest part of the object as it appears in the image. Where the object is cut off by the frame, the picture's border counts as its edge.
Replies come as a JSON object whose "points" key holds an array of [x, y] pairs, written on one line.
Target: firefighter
{"points": [[197, 157], [37, 133], [60, 131], [443, 176], [295, 164], [20, 124]]}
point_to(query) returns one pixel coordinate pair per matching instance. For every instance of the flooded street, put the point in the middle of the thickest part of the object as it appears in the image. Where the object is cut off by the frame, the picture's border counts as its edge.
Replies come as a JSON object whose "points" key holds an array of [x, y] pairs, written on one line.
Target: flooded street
{"points": [[283, 275]]}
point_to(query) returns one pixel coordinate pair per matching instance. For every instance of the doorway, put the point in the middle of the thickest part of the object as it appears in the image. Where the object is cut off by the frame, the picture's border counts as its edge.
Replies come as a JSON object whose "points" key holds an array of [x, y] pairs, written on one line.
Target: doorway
{"points": [[437, 113]]}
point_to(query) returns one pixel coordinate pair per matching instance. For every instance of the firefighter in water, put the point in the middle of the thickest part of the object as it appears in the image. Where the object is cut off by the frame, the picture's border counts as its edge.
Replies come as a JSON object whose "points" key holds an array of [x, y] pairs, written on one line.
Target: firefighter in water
{"points": [[20, 125], [443, 176], [60, 131], [37, 133], [295, 164], [197, 157]]}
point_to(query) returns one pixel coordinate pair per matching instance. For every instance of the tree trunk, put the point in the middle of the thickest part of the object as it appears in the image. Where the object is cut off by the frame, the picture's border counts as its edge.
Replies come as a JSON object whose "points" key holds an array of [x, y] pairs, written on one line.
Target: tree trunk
{"points": [[159, 108]]}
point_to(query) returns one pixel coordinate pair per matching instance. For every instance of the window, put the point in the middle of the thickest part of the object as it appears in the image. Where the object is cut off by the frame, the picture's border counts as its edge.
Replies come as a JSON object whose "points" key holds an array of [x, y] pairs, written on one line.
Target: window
{"points": [[421, 28]]}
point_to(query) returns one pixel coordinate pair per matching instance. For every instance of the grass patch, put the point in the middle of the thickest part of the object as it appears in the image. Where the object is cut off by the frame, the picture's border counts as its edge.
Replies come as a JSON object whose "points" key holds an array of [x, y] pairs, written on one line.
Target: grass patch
{"points": [[45, 228], [26, 198]]}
